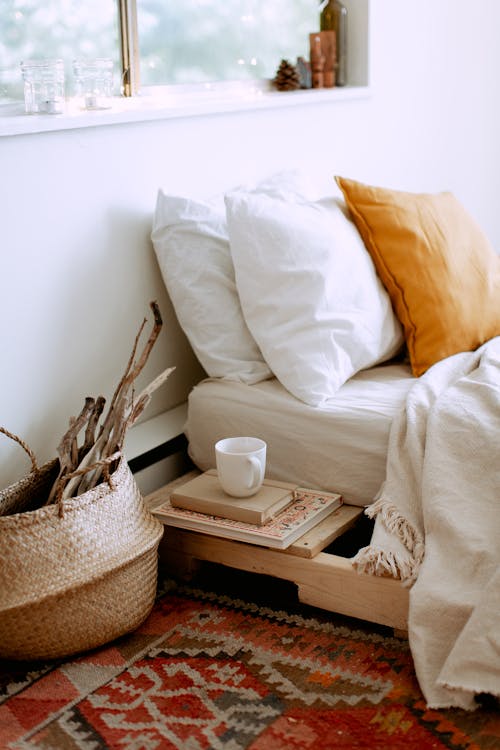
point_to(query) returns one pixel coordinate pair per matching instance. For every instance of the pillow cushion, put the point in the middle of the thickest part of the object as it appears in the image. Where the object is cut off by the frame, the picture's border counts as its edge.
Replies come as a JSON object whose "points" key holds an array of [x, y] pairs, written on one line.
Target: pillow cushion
{"points": [[192, 247], [440, 270], [309, 292]]}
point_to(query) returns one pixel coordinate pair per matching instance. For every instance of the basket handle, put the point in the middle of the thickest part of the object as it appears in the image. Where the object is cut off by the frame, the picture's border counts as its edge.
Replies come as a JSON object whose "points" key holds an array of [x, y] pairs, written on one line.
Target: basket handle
{"points": [[23, 445], [104, 462]]}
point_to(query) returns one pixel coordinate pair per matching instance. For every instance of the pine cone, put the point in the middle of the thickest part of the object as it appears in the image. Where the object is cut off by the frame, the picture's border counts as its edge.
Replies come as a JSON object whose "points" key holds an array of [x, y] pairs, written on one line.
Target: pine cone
{"points": [[287, 77]]}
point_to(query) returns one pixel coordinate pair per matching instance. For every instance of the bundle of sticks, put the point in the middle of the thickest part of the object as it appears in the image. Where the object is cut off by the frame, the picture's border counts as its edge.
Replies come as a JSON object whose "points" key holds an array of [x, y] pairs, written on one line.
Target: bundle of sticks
{"points": [[84, 466]]}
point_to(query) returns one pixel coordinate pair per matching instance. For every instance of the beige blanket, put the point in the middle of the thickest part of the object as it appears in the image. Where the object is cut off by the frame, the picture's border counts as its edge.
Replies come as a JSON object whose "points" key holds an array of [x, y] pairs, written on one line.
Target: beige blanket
{"points": [[438, 525]]}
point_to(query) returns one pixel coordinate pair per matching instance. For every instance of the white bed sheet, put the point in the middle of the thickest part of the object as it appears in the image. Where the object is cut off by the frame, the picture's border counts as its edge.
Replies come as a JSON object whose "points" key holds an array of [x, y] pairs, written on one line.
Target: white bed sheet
{"points": [[339, 447]]}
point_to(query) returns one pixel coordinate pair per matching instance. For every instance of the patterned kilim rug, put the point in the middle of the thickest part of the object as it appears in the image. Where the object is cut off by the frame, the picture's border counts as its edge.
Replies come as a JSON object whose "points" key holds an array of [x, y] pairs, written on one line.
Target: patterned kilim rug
{"points": [[249, 668]]}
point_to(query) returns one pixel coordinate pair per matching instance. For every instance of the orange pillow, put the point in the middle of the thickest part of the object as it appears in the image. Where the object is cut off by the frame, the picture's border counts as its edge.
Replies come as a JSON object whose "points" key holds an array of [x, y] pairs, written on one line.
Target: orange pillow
{"points": [[439, 269]]}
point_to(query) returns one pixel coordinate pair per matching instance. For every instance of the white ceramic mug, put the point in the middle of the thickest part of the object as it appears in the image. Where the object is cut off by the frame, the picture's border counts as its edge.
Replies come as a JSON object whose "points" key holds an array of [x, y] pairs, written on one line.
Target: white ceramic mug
{"points": [[241, 465]]}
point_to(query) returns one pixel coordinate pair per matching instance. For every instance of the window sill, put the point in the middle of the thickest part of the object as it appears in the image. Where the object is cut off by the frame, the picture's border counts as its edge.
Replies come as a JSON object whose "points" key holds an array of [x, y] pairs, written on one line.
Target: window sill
{"points": [[147, 108]]}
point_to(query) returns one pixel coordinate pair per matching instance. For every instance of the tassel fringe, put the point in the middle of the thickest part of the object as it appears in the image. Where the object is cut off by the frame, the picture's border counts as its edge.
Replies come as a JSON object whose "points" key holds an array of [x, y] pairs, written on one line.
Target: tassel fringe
{"points": [[376, 561], [379, 562]]}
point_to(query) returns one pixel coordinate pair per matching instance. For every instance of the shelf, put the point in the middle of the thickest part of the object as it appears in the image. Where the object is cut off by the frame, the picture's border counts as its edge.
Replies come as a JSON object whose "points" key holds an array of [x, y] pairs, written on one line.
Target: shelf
{"points": [[13, 121]]}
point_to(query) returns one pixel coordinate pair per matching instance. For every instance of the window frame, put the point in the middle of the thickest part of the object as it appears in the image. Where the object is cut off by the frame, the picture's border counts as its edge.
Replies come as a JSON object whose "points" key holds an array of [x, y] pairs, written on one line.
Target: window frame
{"points": [[131, 63], [129, 47]]}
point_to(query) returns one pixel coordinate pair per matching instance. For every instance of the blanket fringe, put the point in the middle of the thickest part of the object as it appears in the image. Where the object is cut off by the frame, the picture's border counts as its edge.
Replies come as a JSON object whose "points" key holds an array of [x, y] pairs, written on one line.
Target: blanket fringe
{"points": [[398, 525], [379, 562], [376, 561]]}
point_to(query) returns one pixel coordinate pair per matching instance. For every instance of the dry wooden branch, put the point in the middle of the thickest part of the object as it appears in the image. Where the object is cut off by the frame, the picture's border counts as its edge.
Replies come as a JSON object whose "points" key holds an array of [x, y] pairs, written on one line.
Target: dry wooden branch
{"points": [[113, 431], [106, 426], [135, 409], [82, 468], [68, 449], [92, 426]]}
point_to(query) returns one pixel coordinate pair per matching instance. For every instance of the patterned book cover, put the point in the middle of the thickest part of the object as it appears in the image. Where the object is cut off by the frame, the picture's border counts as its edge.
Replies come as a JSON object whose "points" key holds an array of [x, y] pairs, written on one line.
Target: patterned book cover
{"points": [[307, 510]]}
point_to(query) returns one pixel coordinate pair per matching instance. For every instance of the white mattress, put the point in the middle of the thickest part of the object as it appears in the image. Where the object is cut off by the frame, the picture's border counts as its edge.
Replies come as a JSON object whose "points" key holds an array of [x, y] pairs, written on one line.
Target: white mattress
{"points": [[340, 447]]}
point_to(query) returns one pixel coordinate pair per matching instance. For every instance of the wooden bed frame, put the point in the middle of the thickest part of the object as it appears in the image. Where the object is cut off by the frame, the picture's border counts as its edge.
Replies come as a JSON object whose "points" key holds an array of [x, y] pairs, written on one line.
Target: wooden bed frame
{"points": [[323, 580]]}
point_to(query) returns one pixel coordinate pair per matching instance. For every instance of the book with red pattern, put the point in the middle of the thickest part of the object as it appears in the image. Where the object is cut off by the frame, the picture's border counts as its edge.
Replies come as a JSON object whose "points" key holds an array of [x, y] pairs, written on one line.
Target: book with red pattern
{"points": [[306, 510]]}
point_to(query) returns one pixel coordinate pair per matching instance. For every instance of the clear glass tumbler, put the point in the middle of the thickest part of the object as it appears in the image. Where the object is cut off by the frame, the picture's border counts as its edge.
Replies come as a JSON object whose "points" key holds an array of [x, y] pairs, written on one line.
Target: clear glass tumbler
{"points": [[94, 82], [43, 86]]}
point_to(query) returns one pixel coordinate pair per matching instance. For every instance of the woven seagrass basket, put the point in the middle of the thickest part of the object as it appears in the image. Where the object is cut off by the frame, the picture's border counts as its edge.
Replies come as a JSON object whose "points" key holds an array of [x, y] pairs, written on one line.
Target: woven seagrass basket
{"points": [[76, 574]]}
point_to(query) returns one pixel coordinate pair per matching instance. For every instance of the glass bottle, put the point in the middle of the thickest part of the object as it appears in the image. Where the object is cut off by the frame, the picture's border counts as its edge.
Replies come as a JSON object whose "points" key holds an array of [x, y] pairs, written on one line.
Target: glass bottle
{"points": [[333, 17]]}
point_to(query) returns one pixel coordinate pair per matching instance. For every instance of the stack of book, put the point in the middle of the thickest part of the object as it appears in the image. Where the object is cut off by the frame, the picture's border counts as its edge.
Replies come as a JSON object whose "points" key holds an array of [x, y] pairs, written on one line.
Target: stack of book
{"points": [[278, 515]]}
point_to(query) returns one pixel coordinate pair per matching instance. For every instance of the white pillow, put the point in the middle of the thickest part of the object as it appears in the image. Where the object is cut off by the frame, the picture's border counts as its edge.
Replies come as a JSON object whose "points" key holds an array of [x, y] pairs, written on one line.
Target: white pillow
{"points": [[192, 246], [309, 292]]}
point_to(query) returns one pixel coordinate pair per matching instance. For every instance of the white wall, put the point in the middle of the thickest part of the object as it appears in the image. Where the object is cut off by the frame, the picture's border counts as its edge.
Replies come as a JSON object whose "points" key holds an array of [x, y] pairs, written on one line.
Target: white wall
{"points": [[77, 266]]}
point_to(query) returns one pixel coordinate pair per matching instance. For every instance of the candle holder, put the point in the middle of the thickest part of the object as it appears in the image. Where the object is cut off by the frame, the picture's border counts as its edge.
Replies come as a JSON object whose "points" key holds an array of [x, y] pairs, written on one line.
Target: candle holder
{"points": [[43, 86], [94, 82]]}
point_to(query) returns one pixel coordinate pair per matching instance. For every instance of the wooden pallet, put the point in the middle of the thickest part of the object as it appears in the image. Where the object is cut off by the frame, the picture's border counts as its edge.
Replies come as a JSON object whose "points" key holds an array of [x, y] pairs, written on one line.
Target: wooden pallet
{"points": [[323, 580]]}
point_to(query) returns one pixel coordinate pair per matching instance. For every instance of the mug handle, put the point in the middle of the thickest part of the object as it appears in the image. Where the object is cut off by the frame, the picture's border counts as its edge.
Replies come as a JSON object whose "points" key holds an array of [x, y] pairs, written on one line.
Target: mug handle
{"points": [[257, 473]]}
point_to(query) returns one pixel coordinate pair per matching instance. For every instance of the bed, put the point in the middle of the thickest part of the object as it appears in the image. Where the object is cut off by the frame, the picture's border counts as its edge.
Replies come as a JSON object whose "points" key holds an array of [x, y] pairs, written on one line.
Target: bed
{"points": [[358, 335], [339, 447]]}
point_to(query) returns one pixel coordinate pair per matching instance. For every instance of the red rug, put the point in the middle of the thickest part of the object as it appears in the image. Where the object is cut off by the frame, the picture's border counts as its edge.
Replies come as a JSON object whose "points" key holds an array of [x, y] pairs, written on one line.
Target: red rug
{"points": [[209, 671]]}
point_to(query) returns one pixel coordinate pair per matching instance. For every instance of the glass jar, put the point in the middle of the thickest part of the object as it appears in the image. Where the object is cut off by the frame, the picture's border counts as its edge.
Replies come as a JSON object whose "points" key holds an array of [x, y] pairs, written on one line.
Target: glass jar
{"points": [[43, 86], [94, 82]]}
